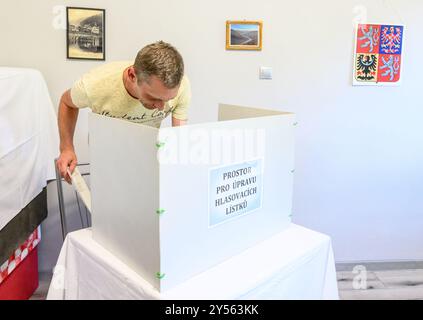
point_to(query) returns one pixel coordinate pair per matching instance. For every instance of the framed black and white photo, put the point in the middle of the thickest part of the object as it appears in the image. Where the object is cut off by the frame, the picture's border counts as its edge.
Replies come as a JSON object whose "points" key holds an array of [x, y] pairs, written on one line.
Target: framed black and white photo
{"points": [[85, 33], [244, 35]]}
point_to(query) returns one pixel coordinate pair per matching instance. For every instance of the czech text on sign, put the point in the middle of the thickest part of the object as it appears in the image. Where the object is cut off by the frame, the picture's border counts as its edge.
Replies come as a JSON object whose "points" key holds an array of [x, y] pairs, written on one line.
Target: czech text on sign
{"points": [[234, 190]]}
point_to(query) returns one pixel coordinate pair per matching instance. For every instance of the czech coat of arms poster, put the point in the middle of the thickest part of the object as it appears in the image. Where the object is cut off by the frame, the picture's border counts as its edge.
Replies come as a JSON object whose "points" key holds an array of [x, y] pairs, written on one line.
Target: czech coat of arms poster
{"points": [[378, 54]]}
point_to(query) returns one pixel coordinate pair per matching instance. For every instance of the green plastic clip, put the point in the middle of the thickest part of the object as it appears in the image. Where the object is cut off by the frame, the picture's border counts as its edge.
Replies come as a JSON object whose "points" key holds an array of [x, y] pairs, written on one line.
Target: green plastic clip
{"points": [[160, 211], [160, 275], [160, 144]]}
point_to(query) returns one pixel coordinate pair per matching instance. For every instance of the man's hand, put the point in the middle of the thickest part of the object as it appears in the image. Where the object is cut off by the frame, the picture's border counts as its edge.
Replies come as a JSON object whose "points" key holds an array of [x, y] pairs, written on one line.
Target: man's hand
{"points": [[67, 159], [177, 122]]}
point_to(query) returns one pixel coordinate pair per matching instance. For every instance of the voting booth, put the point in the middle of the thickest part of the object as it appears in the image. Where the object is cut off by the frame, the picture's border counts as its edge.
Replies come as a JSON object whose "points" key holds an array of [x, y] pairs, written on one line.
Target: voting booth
{"points": [[174, 202]]}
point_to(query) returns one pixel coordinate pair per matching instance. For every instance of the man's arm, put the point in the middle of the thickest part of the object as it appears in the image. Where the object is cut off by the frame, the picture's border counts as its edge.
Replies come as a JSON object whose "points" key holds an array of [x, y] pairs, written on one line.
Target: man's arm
{"points": [[68, 115], [177, 122]]}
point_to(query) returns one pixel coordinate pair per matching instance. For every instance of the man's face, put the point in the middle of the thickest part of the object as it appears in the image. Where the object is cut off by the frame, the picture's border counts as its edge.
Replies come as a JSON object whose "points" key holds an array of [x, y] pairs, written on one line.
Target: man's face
{"points": [[153, 94]]}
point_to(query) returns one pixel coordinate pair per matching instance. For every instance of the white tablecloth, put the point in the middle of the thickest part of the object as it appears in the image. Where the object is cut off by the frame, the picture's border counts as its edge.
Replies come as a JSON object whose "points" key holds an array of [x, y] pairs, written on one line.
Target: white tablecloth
{"points": [[297, 263], [29, 139]]}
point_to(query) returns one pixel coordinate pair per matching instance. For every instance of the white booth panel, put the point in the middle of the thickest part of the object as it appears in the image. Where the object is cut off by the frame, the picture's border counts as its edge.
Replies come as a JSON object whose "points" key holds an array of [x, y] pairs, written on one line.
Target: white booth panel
{"points": [[191, 157], [125, 192], [174, 202]]}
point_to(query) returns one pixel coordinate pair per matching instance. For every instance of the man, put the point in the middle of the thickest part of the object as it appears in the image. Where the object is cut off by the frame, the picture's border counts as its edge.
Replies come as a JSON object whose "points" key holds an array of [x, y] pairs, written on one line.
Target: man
{"points": [[146, 92]]}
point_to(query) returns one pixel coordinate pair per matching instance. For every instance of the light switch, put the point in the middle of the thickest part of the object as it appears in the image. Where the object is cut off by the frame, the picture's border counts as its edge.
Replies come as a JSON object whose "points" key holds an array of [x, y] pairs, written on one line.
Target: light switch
{"points": [[266, 73]]}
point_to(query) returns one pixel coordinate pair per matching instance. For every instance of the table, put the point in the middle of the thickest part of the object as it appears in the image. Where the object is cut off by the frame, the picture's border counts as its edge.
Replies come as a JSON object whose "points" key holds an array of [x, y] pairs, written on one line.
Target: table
{"points": [[296, 263], [29, 140]]}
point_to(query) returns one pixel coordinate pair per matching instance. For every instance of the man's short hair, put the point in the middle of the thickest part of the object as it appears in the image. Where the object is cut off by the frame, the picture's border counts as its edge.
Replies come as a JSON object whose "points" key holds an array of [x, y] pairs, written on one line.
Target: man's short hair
{"points": [[162, 60]]}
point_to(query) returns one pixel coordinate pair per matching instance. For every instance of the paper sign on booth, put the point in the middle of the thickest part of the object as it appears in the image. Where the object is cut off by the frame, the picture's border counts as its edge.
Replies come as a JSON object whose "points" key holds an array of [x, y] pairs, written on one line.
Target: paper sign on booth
{"points": [[234, 190]]}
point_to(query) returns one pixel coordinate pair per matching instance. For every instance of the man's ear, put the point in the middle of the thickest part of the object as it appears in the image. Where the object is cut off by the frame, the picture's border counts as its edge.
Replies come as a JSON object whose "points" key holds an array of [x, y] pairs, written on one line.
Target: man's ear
{"points": [[132, 74]]}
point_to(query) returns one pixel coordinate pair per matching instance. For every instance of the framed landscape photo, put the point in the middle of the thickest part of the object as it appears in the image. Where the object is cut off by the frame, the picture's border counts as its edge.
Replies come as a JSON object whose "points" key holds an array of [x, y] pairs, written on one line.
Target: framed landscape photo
{"points": [[85, 36], [244, 35]]}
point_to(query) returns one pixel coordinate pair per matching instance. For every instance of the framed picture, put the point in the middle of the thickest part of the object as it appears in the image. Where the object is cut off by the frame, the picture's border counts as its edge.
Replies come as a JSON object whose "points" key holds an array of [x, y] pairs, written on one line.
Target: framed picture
{"points": [[85, 33], [244, 35]]}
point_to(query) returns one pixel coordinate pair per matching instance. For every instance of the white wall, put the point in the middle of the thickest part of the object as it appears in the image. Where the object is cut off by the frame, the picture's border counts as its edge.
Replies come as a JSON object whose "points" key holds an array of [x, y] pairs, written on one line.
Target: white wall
{"points": [[359, 154]]}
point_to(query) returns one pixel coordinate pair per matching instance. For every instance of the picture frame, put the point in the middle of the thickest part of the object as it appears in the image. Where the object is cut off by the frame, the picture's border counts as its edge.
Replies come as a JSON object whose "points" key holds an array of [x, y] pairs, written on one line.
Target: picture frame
{"points": [[85, 33], [244, 35]]}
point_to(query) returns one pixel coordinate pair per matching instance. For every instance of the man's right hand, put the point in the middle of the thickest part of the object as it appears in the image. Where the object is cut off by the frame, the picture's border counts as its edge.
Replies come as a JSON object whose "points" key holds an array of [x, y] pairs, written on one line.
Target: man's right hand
{"points": [[66, 160]]}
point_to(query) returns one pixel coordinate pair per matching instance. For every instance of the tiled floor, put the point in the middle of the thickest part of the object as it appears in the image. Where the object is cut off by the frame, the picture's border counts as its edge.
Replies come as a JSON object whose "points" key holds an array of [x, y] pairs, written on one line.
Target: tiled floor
{"points": [[406, 284], [360, 284]]}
